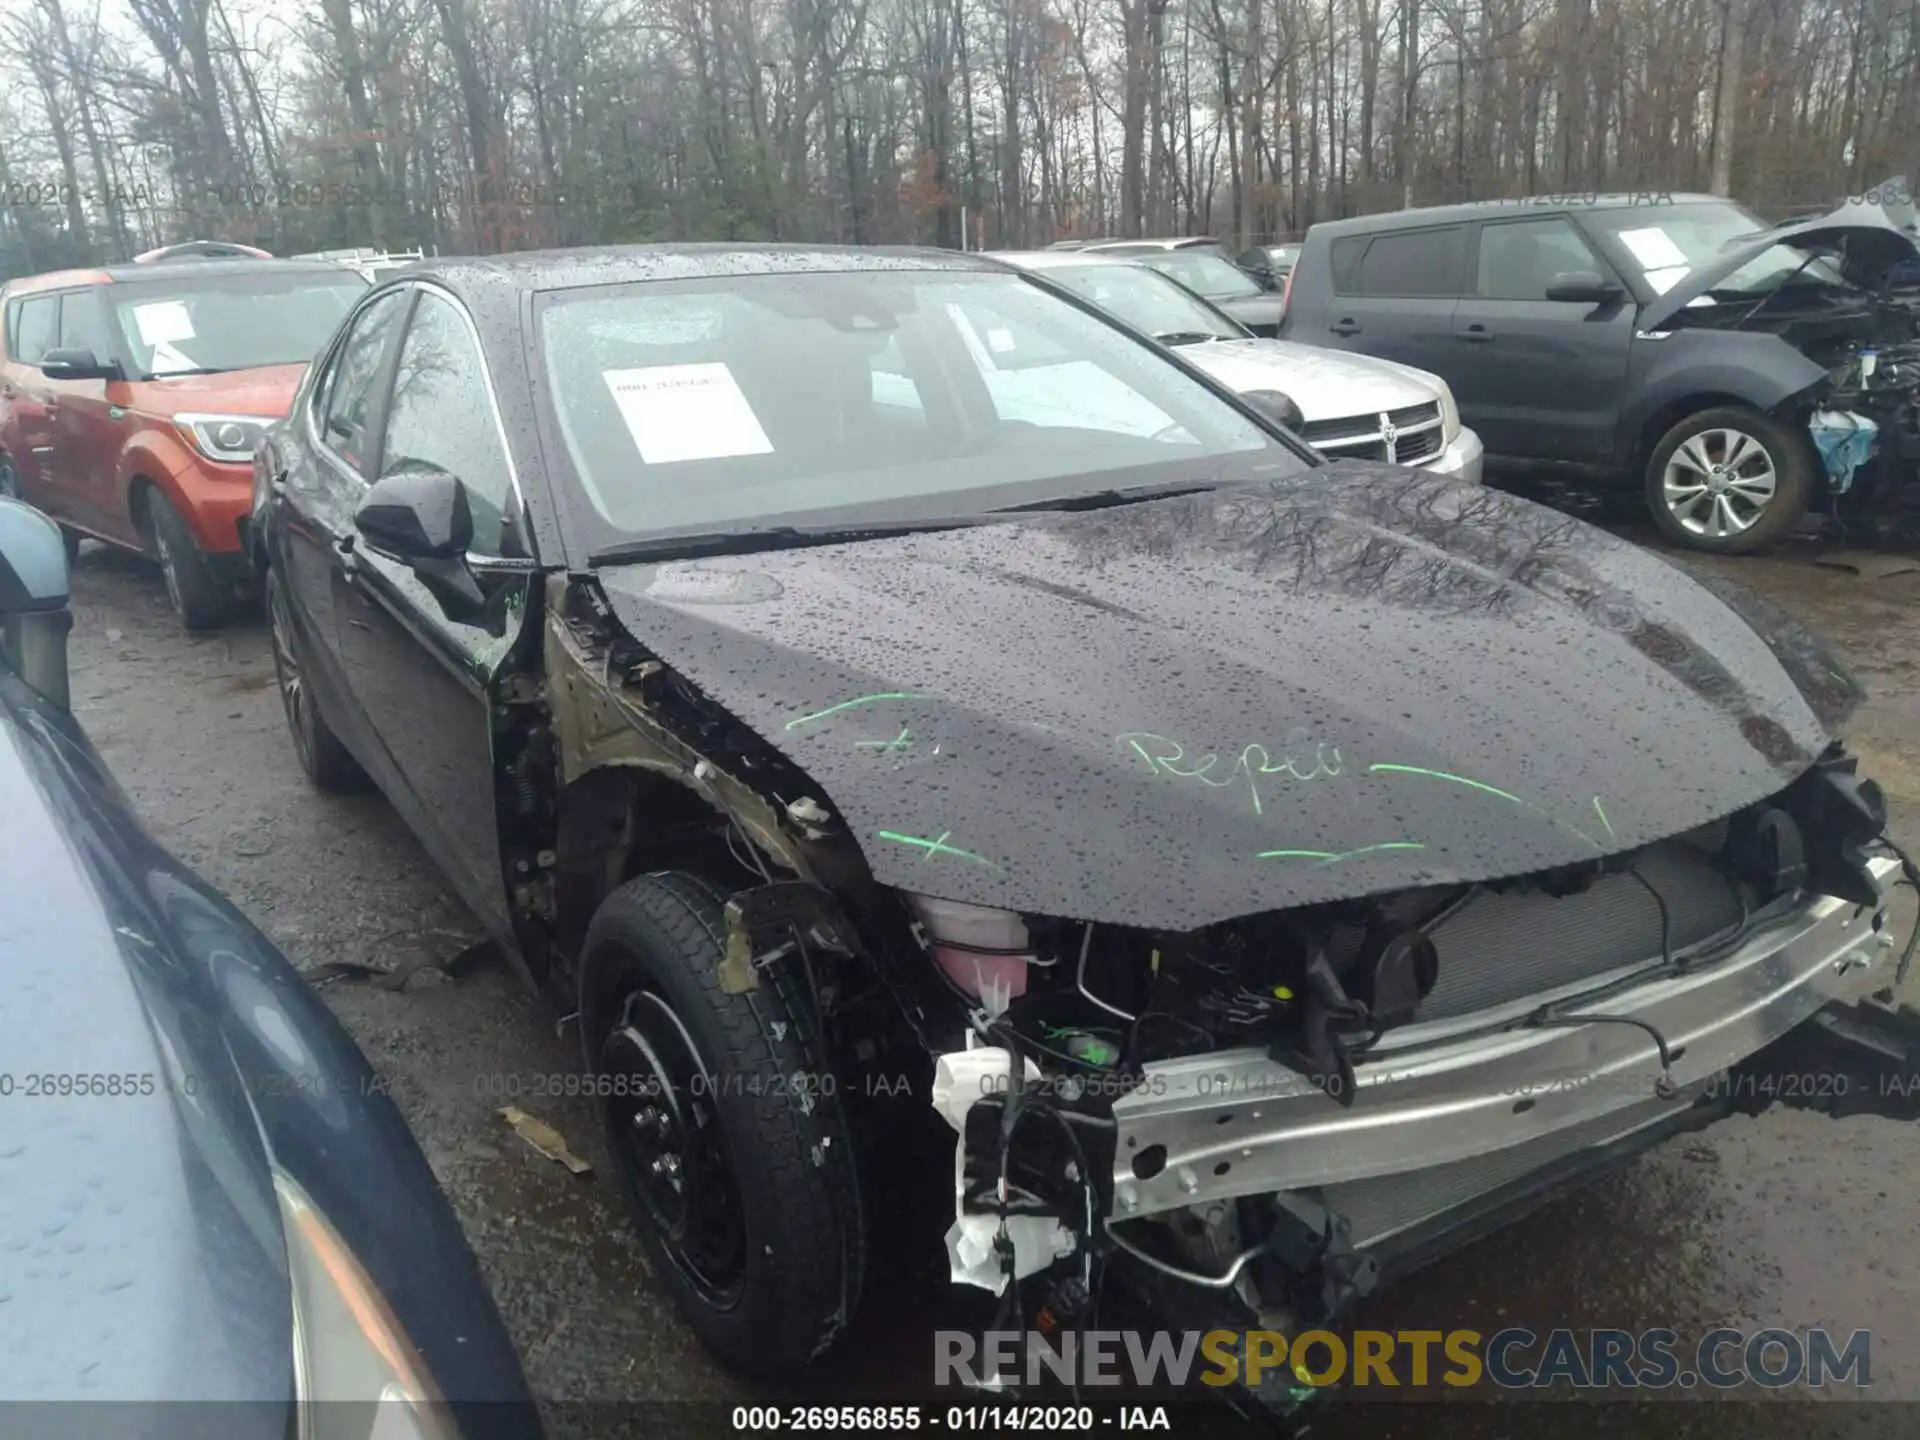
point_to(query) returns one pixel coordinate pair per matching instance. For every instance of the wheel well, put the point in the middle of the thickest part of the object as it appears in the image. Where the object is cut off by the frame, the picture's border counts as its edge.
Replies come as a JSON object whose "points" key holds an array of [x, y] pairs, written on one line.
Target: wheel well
{"points": [[619, 821], [139, 492], [1670, 415]]}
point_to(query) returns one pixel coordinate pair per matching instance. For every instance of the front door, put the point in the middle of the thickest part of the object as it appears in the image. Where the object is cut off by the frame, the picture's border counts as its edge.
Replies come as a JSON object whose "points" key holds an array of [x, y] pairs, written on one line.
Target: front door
{"points": [[1537, 378], [89, 426], [423, 682], [314, 496]]}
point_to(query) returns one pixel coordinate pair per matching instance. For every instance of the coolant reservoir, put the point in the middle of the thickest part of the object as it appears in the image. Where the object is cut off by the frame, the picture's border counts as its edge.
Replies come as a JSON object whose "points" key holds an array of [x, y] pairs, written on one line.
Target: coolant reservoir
{"points": [[958, 934]]}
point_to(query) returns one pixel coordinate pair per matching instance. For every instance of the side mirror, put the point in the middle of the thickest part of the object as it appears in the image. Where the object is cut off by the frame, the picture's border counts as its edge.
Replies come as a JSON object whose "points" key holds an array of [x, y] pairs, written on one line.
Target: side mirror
{"points": [[77, 365], [34, 619], [1584, 287], [1277, 406], [417, 515], [422, 517]]}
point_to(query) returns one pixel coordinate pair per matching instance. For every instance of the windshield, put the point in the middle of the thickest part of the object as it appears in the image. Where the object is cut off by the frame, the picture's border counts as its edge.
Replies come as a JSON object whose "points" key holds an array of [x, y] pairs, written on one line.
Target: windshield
{"points": [[1667, 243], [1205, 272], [189, 325], [1146, 300], [733, 400]]}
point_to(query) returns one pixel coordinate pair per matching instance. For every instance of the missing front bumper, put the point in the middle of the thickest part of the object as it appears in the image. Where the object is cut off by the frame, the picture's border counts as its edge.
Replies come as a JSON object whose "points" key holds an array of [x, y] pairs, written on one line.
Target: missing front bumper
{"points": [[1235, 1123]]}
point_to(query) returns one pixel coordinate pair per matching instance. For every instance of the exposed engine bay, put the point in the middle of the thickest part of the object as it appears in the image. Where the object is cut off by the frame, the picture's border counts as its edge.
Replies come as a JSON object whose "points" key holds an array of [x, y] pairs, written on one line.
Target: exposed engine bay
{"points": [[1251, 1119]]}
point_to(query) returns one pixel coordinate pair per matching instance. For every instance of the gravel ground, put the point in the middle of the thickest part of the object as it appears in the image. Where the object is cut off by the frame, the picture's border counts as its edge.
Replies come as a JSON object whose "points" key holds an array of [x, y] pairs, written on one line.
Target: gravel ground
{"points": [[1788, 1219]]}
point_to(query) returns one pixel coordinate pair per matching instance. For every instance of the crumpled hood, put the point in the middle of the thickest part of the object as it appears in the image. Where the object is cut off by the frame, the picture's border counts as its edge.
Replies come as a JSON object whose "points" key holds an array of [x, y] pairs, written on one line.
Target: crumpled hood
{"points": [[1325, 384], [1176, 712], [1871, 239]]}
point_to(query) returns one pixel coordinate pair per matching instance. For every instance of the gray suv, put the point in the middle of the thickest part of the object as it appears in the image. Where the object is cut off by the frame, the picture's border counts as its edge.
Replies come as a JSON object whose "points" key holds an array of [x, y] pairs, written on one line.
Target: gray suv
{"points": [[1675, 341]]}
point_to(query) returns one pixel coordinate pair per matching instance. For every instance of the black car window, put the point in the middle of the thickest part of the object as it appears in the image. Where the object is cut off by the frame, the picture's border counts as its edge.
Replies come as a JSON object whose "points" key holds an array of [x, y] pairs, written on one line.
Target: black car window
{"points": [[1519, 259], [36, 327], [1411, 264], [441, 416], [350, 389], [1345, 259], [83, 324]]}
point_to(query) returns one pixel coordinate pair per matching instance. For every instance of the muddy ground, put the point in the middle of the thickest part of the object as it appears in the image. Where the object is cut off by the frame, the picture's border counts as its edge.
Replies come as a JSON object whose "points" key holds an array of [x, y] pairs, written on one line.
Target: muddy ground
{"points": [[1789, 1219]]}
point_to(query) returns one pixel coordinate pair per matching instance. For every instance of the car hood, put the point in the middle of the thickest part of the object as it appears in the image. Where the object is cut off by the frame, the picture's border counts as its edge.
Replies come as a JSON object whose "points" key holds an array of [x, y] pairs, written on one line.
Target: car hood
{"points": [[266, 392], [1181, 711], [142, 1241], [1325, 384], [1871, 237]]}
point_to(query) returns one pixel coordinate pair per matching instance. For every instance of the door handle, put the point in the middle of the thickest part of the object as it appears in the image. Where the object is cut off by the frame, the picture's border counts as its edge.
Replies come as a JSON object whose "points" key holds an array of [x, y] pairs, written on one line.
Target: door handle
{"points": [[1478, 334], [1344, 327]]}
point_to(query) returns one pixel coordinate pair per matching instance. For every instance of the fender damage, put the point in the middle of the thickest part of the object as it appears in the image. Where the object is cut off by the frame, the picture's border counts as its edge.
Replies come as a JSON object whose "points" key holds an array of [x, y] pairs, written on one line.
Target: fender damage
{"points": [[1265, 806]]}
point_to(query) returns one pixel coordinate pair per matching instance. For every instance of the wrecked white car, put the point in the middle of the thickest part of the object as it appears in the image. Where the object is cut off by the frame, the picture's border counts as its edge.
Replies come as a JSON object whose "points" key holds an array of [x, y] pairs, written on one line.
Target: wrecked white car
{"points": [[1273, 870]]}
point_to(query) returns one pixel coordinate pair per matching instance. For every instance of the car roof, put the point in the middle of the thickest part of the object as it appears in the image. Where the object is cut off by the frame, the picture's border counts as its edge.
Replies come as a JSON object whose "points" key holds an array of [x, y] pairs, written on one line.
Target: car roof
{"points": [[1161, 242], [163, 270], [536, 270], [1473, 210], [1055, 259]]}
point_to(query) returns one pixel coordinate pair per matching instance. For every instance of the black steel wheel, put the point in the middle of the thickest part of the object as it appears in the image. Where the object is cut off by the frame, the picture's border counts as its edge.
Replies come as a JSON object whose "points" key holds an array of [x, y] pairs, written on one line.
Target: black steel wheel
{"points": [[729, 1143]]}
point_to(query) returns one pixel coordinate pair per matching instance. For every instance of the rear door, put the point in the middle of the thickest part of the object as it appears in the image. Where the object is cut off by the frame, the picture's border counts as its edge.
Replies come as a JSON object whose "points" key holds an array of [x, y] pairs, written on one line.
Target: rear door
{"points": [[33, 324], [421, 682], [1539, 378], [1394, 293]]}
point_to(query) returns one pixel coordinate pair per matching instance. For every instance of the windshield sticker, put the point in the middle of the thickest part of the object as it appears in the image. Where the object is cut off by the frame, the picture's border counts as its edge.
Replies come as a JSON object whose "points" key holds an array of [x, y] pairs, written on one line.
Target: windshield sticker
{"points": [[1654, 248], [162, 322], [1000, 340], [686, 412], [1665, 279], [169, 361]]}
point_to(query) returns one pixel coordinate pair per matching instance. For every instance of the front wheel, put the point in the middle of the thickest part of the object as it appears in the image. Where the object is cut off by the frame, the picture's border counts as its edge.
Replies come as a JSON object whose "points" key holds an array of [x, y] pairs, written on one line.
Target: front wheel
{"points": [[198, 598], [728, 1138], [1729, 480]]}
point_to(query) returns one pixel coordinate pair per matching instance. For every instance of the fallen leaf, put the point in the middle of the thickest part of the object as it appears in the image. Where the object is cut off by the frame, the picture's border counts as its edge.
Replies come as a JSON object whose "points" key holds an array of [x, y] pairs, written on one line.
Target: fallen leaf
{"points": [[544, 1138]]}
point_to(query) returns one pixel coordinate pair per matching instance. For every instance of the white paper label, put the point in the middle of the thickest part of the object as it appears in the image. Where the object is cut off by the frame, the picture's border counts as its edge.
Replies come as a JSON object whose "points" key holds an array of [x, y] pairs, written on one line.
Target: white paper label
{"points": [[163, 322], [686, 412], [1653, 248], [1664, 280], [1000, 340], [169, 361]]}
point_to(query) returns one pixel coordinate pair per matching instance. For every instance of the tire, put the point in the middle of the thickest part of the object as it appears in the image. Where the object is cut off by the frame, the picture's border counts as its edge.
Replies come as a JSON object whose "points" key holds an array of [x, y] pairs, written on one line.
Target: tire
{"points": [[9, 480], [323, 759], [1765, 485], [201, 602], [761, 1243], [71, 538]]}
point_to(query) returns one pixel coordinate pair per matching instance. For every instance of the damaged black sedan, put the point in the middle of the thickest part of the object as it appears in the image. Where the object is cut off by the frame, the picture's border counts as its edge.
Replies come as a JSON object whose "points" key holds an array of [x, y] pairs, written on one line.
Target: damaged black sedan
{"points": [[868, 686]]}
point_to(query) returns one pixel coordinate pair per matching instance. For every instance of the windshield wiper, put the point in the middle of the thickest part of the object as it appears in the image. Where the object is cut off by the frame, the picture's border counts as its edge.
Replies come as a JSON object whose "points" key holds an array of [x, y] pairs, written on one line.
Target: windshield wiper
{"points": [[195, 370], [1186, 337], [752, 538], [1102, 499]]}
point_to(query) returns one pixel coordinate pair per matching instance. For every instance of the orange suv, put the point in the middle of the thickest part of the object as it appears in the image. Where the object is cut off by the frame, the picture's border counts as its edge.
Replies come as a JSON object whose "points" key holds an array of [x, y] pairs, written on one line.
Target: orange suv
{"points": [[131, 399]]}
